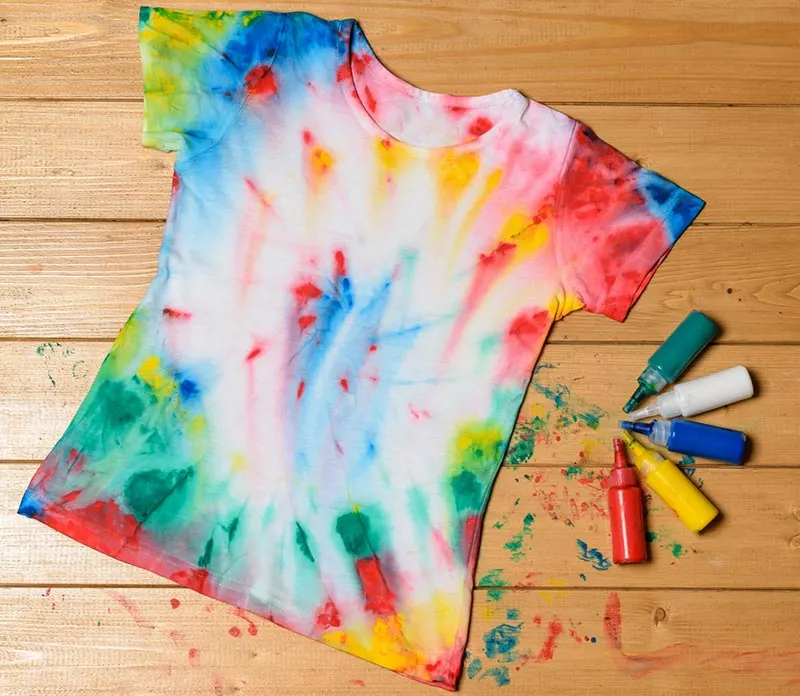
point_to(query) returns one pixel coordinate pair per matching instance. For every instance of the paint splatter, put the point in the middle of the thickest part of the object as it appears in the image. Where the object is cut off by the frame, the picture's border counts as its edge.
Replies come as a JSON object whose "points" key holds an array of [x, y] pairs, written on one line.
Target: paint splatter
{"points": [[515, 544], [493, 579], [357, 682], [474, 668], [571, 414], [235, 631], [554, 630], [499, 674], [501, 641], [593, 556], [131, 608], [194, 657], [174, 603], [562, 500], [252, 629]]}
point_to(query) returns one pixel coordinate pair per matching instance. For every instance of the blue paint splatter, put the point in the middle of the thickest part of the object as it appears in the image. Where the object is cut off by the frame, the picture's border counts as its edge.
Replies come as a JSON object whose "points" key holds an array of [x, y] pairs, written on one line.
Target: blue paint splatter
{"points": [[582, 576], [593, 556], [594, 640], [501, 641], [473, 668], [512, 614], [499, 674], [189, 389]]}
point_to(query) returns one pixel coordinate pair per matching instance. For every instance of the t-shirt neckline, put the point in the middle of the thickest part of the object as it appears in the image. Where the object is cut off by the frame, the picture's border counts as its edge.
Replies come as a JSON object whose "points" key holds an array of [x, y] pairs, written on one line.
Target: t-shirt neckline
{"points": [[515, 102]]}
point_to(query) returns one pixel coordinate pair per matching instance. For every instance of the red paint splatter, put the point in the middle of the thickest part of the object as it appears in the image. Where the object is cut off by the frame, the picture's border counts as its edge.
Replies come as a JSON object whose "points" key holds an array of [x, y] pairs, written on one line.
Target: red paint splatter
{"points": [[379, 598], [176, 314], [174, 603], [194, 654], [537, 620], [373, 348], [340, 264], [357, 682], [305, 321], [119, 531], [344, 384], [193, 578], [219, 686], [300, 389], [360, 62], [307, 291], [177, 638], [130, 607], [554, 630], [69, 497], [327, 617], [479, 126], [261, 82], [308, 139], [252, 629], [489, 268], [255, 352], [235, 631], [343, 73], [47, 592], [372, 103], [469, 548], [422, 413]]}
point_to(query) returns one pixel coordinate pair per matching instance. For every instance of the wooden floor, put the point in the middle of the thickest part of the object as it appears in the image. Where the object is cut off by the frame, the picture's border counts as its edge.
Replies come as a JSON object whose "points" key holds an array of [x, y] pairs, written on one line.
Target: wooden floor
{"points": [[705, 91]]}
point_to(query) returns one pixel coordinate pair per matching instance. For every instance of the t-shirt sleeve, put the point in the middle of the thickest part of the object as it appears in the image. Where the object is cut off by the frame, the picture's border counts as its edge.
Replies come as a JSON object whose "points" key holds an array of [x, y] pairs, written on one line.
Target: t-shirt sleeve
{"points": [[199, 69], [616, 222]]}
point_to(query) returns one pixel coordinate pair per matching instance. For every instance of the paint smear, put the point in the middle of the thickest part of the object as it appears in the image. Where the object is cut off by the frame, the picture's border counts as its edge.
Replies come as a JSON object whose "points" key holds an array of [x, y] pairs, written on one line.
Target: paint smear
{"points": [[131, 608], [593, 556], [769, 661], [194, 657], [571, 414], [516, 543], [357, 682]]}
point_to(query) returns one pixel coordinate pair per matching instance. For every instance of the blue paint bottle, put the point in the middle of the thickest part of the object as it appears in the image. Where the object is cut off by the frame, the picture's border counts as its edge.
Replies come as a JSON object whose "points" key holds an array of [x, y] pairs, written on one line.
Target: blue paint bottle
{"points": [[695, 439]]}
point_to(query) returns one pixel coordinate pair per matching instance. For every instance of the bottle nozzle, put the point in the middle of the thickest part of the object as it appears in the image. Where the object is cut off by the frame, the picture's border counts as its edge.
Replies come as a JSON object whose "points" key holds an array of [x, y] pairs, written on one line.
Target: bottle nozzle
{"points": [[645, 412], [638, 395], [641, 428], [620, 458]]}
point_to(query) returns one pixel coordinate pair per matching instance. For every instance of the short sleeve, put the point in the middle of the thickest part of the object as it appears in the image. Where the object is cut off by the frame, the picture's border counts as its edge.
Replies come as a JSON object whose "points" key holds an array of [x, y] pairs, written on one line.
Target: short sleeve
{"points": [[198, 70], [616, 222]]}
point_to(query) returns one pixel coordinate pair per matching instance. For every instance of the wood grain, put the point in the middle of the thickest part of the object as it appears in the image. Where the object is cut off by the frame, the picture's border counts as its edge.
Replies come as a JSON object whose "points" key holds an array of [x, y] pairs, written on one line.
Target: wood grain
{"points": [[82, 280], [702, 51], [760, 520], [42, 384], [84, 160], [662, 641]]}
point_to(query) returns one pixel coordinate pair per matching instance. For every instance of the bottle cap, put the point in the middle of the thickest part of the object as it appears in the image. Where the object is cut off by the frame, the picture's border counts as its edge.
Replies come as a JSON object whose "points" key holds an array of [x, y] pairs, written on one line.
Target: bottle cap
{"points": [[621, 475]]}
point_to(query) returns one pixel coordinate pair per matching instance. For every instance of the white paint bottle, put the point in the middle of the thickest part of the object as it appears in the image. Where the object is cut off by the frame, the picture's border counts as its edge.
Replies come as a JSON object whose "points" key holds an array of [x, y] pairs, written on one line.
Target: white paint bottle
{"points": [[700, 395]]}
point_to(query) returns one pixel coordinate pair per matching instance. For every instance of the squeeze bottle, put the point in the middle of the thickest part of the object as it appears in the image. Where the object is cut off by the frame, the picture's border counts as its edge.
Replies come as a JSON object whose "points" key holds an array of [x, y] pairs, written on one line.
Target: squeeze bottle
{"points": [[672, 486], [625, 511], [696, 439], [700, 395], [673, 356]]}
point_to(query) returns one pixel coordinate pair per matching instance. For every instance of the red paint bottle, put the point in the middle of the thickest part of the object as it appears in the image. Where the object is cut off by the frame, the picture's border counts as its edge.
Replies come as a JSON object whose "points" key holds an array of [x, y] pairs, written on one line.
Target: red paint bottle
{"points": [[626, 511]]}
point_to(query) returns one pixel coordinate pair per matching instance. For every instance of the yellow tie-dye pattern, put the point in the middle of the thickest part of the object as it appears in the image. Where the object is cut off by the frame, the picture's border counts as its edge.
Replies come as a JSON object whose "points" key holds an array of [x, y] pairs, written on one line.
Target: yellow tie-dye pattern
{"points": [[441, 613], [238, 462], [456, 171], [469, 220], [150, 373]]}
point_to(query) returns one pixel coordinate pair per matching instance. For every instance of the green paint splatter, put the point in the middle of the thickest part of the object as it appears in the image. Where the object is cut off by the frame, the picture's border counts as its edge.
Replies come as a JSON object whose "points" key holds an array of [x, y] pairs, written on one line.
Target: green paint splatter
{"points": [[301, 539], [493, 579], [47, 348], [573, 471], [147, 491], [516, 542], [468, 492], [499, 674], [205, 559], [686, 460], [676, 549], [99, 624], [354, 529], [512, 614], [652, 536], [79, 369], [473, 668]]}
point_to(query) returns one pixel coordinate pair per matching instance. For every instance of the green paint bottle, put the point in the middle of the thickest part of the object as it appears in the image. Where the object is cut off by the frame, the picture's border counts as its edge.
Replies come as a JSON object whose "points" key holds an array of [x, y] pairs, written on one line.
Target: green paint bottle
{"points": [[673, 356]]}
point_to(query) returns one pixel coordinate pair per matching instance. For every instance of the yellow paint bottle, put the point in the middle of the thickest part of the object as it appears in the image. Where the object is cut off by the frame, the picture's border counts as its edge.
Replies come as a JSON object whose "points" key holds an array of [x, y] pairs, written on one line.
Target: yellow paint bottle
{"points": [[672, 485]]}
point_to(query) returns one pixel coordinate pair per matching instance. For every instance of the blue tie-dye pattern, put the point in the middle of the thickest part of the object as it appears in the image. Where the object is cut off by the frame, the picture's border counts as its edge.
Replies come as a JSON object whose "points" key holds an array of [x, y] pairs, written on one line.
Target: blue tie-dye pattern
{"points": [[674, 206]]}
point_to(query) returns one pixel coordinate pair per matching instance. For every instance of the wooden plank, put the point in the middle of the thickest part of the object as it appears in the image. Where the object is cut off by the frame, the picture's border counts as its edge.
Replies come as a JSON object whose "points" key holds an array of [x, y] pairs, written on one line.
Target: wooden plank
{"points": [[568, 644], [84, 160], [576, 395], [82, 280], [672, 51], [564, 543]]}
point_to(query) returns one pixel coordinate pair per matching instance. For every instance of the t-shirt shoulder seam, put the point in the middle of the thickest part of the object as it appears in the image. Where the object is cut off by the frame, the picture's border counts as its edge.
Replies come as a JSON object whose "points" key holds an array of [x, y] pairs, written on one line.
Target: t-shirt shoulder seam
{"points": [[183, 163]]}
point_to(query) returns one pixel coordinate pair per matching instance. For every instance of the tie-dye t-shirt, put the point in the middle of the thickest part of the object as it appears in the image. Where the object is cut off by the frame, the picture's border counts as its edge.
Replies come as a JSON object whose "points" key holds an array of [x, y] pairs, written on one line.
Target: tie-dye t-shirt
{"points": [[305, 414]]}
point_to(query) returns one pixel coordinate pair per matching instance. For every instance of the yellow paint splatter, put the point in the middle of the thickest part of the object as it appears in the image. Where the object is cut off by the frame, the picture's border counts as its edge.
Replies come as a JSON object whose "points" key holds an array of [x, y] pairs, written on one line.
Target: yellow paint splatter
{"points": [[150, 373], [550, 596], [456, 170], [238, 462]]}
